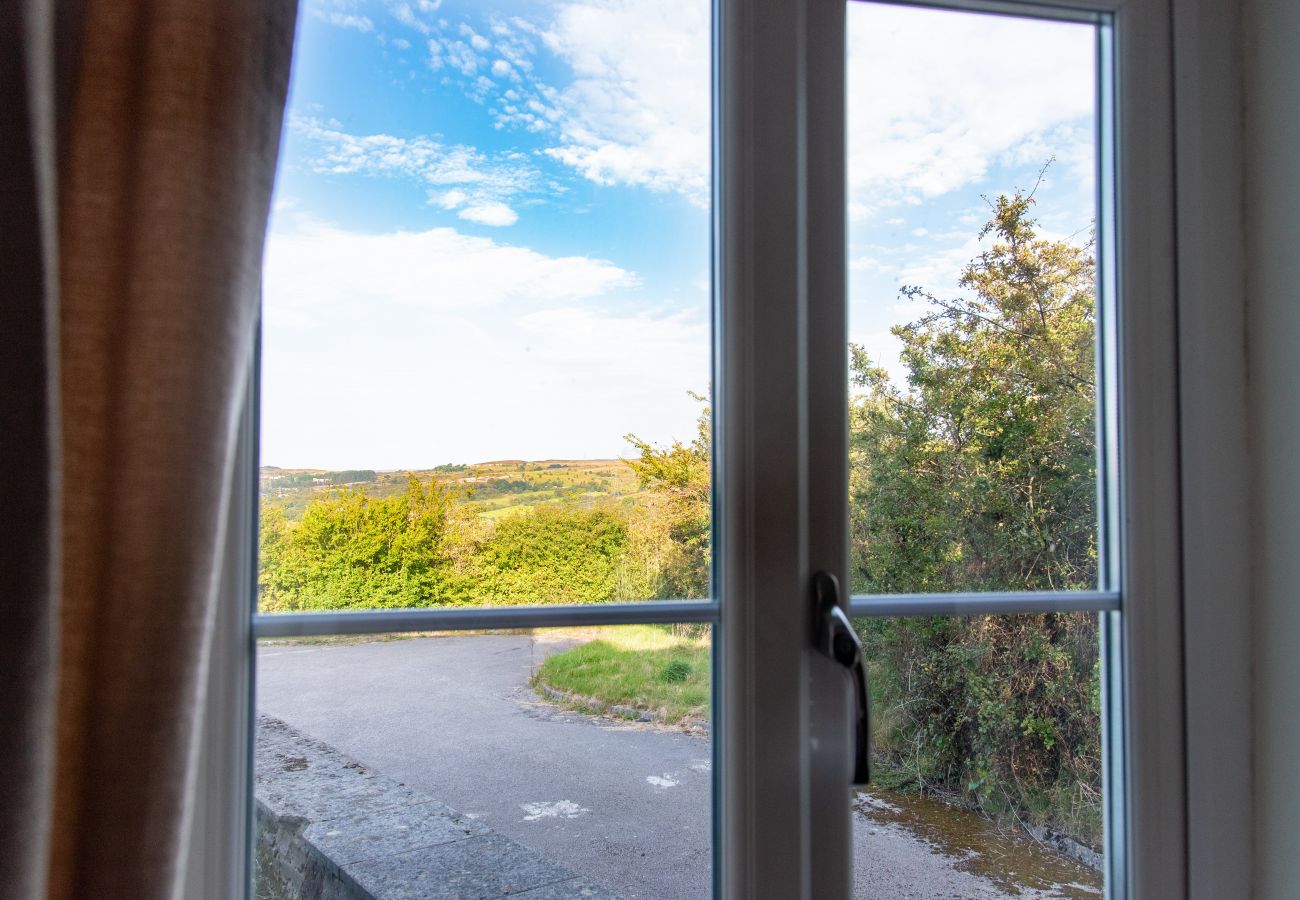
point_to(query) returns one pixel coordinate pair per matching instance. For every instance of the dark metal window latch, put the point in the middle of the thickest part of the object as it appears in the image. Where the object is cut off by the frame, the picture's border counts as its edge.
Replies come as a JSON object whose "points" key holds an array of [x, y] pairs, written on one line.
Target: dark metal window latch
{"points": [[835, 638]]}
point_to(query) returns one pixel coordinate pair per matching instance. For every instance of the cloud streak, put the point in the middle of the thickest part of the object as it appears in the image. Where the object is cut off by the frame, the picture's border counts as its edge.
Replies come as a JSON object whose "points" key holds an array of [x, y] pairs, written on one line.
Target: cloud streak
{"points": [[472, 179]]}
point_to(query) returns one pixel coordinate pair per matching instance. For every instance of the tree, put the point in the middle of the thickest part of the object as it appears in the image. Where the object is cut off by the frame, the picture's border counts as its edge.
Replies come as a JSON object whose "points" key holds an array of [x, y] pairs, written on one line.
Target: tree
{"points": [[679, 476], [990, 454], [551, 554], [980, 475], [351, 550]]}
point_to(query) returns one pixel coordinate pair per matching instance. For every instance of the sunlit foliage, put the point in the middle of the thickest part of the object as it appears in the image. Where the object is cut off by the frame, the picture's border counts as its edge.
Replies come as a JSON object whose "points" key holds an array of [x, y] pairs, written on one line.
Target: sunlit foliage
{"points": [[980, 475]]}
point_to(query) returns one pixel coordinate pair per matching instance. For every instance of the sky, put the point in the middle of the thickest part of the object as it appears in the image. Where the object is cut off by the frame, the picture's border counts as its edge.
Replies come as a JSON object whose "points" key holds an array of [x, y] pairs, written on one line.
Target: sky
{"points": [[490, 231]]}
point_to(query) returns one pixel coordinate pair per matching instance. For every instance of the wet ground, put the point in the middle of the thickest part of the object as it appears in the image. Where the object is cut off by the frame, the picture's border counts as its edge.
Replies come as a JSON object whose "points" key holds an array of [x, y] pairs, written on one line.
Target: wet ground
{"points": [[1013, 863], [624, 804]]}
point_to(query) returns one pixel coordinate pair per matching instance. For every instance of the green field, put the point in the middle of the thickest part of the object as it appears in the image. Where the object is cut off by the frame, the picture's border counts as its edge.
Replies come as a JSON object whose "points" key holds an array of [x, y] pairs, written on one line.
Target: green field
{"points": [[492, 489]]}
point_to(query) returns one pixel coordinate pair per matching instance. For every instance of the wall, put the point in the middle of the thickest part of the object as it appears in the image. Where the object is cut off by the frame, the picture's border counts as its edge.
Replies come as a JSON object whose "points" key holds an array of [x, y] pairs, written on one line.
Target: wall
{"points": [[1272, 217]]}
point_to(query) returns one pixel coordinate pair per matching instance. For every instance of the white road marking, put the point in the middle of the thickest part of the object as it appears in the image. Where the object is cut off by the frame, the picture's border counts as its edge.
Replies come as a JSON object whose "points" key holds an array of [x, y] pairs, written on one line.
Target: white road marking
{"points": [[663, 783], [557, 809]]}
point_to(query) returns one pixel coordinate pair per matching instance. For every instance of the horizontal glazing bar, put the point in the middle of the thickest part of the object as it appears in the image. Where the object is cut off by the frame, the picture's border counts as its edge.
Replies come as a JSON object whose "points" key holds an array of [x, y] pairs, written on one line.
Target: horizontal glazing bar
{"points": [[983, 604], [391, 621]]}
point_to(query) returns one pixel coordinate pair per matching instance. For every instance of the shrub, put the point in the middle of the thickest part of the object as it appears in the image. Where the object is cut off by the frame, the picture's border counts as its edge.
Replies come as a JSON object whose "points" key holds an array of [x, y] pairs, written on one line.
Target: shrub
{"points": [[675, 670]]}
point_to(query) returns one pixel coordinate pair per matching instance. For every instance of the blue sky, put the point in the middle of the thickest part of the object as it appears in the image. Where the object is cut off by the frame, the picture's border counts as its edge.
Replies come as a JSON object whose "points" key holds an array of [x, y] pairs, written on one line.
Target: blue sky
{"points": [[490, 229]]}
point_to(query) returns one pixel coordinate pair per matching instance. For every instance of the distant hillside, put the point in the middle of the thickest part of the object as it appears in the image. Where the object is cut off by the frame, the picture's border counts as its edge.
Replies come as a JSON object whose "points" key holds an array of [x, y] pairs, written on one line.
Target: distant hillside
{"points": [[494, 488]]}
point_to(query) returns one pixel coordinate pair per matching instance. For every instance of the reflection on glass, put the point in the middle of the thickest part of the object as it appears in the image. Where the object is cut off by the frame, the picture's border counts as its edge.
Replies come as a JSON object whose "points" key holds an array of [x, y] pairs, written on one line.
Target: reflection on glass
{"points": [[486, 307], [972, 302], [572, 762], [987, 743]]}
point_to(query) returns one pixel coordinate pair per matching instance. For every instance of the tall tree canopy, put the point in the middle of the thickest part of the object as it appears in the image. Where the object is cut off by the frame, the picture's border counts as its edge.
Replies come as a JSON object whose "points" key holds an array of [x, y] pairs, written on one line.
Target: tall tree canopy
{"points": [[980, 475]]}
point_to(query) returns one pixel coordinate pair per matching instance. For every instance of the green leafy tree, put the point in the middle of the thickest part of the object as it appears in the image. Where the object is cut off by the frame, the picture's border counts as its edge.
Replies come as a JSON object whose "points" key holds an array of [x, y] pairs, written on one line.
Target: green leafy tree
{"points": [[980, 475], [679, 477], [551, 554], [350, 550]]}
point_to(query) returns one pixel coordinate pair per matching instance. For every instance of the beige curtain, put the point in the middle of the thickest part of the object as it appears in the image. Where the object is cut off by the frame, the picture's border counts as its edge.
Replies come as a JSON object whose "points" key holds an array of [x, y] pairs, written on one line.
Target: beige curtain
{"points": [[133, 273]]}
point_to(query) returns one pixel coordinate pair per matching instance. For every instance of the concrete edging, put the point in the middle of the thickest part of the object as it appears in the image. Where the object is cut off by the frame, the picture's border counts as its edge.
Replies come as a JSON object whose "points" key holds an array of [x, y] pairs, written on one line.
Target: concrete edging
{"points": [[330, 828]]}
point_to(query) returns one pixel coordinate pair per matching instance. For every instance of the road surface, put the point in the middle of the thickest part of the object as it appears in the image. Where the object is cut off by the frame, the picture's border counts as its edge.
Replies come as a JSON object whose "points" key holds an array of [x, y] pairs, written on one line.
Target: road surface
{"points": [[627, 805]]}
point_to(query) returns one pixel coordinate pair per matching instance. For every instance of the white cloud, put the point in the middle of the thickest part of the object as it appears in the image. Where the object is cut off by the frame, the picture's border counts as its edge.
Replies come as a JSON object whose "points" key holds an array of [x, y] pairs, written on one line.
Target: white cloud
{"points": [[514, 44], [343, 20], [456, 54], [432, 161], [640, 344], [411, 349], [315, 265], [401, 43], [340, 14], [495, 214], [637, 110], [931, 106], [477, 41], [451, 199], [418, 15], [867, 263], [937, 272], [937, 97], [470, 176]]}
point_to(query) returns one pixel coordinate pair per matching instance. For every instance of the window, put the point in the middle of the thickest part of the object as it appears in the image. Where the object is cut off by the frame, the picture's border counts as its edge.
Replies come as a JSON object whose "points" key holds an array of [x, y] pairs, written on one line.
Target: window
{"points": [[780, 501]]}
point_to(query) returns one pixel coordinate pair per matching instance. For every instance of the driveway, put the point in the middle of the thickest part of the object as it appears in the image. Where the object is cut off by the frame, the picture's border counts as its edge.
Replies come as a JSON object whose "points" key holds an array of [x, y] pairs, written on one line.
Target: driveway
{"points": [[626, 805]]}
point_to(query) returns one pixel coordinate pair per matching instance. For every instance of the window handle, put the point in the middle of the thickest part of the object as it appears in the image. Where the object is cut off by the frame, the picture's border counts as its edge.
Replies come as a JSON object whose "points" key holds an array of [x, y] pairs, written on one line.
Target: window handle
{"points": [[837, 640]]}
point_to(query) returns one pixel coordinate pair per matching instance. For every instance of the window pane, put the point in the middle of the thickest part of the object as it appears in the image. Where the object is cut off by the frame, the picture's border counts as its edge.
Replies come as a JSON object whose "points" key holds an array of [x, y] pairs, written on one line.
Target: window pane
{"points": [[570, 762], [987, 750], [582, 758], [486, 359], [973, 301], [974, 460]]}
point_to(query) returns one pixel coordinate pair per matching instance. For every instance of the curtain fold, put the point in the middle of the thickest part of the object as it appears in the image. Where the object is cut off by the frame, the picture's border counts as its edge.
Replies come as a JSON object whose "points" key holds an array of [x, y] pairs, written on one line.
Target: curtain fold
{"points": [[29, 469], [168, 115]]}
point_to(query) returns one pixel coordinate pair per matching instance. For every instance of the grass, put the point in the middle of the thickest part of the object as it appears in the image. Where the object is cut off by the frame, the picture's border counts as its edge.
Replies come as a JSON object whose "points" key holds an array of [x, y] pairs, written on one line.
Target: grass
{"points": [[647, 667]]}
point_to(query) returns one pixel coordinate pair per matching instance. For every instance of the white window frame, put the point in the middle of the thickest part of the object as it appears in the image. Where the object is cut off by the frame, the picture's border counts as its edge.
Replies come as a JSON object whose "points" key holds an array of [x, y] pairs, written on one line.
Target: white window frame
{"points": [[781, 465], [780, 217]]}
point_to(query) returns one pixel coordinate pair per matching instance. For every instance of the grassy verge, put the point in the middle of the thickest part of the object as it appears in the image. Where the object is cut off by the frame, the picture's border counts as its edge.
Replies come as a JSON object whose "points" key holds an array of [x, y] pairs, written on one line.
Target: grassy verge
{"points": [[647, 667]]}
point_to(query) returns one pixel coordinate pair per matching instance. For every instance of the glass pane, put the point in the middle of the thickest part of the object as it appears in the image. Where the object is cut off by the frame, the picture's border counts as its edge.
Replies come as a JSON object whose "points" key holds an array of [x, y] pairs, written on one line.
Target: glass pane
{"points": [[580, 759], [559, 763], [987, 758], [974, 459], [486, 348], [973, 301]]}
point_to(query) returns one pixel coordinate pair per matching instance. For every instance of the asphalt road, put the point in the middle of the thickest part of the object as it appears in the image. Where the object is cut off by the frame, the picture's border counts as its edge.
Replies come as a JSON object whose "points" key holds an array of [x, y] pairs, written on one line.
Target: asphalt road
{"points": [[626, 805]]}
